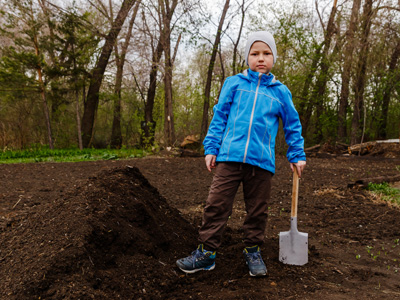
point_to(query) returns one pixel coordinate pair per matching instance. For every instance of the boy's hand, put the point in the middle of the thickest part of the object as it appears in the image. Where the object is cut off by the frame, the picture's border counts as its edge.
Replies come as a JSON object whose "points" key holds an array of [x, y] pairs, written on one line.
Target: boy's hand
{"points": [[300, 165], [210, 161]]}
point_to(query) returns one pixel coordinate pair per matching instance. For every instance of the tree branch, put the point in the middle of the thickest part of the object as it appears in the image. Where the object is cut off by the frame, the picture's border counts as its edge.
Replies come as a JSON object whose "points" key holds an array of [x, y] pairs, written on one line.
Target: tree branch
{"points": [[319, 15]]}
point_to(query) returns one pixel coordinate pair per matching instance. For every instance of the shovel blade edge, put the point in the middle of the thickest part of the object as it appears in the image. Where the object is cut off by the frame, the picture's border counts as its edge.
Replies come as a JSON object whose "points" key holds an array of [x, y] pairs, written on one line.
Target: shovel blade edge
{"points": [[293, 248]]}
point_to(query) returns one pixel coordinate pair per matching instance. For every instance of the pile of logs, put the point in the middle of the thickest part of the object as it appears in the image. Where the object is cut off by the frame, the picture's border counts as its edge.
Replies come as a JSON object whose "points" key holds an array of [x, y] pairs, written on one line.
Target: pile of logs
{"points": [[372, 148]]}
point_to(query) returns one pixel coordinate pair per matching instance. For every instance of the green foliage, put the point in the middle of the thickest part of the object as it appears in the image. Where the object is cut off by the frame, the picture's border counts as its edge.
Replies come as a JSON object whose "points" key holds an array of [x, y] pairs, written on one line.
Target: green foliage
{"points": [[386, 192], [14, 75], [63, 47], [188, 105], [43, 154]]}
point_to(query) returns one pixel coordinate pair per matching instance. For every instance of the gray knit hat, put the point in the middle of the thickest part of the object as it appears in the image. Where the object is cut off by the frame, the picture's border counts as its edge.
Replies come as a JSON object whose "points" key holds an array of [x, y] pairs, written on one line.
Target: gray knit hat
{"points": [[262, 36]]}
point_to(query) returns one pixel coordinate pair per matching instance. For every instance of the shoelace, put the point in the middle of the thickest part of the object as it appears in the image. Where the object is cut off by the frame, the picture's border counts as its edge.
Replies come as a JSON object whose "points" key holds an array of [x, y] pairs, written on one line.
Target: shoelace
{"points": [[195, 254], [254, 257]]}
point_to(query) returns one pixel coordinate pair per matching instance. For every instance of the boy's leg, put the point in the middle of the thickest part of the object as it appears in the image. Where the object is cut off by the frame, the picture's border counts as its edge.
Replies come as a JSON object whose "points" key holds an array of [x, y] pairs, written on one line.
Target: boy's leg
{"points": [[257, 191], [216, 213], [219, 204]]}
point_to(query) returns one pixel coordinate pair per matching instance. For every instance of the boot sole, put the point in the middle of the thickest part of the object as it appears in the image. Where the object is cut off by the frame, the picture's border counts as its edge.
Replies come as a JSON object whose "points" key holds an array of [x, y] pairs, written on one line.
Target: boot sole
{"points": [[258, 275], [200, 269]]}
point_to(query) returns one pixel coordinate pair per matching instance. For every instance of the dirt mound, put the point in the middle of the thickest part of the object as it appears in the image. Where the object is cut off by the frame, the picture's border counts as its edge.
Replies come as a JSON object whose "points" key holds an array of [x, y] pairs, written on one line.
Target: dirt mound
{"points": [[113, 235]]}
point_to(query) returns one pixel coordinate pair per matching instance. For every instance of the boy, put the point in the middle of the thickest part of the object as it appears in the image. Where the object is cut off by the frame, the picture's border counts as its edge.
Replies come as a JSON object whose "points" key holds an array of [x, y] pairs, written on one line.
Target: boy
{"points": [[241, 139]]}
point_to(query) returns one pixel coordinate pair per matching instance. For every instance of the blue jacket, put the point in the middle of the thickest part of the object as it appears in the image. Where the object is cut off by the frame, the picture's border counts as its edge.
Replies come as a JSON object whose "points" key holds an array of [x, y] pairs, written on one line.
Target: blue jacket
{"points": [[246, 121]]}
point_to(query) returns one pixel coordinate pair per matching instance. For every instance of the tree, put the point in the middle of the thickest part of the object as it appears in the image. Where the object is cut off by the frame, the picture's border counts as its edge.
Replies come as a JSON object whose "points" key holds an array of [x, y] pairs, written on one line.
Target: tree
{"points": [[149, 125], [306, 105], [207, 91], [243, 10], [35, 59], [92, 100], [359, 86], [116, 135], [75, 44], [348, 59], [389, 85], [166, 8], [320, 86]]}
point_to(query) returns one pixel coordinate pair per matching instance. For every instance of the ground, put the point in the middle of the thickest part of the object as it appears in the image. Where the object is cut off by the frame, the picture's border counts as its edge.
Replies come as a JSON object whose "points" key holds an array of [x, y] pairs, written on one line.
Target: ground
{"points": [[113, 230]]}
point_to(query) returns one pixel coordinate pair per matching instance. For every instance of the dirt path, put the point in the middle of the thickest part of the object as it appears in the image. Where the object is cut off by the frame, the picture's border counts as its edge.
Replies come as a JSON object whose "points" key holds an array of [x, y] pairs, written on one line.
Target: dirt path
{"points": [[354, 250]]}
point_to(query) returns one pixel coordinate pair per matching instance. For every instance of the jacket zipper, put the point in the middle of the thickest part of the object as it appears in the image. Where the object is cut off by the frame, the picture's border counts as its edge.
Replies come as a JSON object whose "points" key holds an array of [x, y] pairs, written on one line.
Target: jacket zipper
{"points": [[251, 117]]}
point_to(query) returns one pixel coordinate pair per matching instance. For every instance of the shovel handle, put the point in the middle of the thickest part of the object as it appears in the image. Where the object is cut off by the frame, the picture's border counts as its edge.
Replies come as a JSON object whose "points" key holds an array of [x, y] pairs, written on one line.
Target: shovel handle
{"points": [[295, 193]]}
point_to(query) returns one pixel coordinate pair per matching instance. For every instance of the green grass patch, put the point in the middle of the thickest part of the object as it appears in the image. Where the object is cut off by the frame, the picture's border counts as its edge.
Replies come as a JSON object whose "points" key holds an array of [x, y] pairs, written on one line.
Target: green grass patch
{"points": [[385, 192], [67, 155]]}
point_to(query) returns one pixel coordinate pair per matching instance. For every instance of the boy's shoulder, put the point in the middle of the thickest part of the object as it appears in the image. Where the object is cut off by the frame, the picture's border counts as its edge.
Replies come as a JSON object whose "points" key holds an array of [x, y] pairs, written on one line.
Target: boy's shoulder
{"points": [[234, 81]]}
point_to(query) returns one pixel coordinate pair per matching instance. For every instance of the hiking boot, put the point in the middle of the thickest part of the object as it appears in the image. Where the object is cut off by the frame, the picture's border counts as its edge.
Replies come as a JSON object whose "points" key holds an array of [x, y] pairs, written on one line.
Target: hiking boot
{"points": [[254, 261], [200, 259]]}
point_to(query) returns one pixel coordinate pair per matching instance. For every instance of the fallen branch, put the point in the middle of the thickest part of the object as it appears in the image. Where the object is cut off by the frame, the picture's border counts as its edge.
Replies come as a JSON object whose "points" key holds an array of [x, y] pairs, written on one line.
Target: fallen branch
{"points": [[312, 148], [20, 198], [365, 181]]}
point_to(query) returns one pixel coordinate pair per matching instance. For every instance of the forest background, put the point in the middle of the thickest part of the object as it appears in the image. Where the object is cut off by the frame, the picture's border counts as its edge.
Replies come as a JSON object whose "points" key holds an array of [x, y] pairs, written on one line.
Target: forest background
{"points": [[146, 74]]}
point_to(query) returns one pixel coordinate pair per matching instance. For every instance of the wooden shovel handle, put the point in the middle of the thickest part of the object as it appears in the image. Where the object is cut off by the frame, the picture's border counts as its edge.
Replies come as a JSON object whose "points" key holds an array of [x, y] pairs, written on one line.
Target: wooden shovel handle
{"points": [[295, 193]]}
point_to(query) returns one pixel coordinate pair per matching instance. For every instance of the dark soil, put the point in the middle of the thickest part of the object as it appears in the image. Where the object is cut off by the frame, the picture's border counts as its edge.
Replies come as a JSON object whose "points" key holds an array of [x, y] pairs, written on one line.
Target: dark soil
{"points": [[102, 230]]}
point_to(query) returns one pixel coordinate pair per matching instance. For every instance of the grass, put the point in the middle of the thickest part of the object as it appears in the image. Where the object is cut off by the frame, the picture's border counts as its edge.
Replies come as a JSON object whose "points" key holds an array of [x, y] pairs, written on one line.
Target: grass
{"points": [[385, 192], [66, 155]]}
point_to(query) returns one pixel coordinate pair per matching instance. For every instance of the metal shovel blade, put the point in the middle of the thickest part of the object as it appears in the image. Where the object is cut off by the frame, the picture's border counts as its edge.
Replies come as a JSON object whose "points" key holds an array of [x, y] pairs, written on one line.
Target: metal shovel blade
{"points": [[293, 245]]}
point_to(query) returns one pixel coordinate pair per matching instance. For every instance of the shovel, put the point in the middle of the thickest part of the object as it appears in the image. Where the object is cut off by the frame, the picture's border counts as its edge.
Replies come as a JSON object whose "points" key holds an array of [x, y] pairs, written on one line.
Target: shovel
{"points": [[293, 245]]}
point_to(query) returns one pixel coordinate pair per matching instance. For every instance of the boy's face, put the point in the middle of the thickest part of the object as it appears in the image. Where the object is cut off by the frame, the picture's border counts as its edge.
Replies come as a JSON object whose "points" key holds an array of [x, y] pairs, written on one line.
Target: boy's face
{"points": [[260, 58]]}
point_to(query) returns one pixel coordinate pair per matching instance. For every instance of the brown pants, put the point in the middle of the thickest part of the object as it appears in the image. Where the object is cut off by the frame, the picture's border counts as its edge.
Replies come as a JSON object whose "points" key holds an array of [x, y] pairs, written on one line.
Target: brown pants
{"points": [[226, 181]]}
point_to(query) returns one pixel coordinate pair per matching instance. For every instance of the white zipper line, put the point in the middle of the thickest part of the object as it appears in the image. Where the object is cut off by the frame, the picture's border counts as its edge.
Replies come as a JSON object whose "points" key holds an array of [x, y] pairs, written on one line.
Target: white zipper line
{"points": [[251, 117]]}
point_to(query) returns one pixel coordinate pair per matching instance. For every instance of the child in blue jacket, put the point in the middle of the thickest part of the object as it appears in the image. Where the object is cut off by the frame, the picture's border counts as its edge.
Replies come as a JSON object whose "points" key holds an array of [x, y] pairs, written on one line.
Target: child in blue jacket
{"points": [[240, 145]]}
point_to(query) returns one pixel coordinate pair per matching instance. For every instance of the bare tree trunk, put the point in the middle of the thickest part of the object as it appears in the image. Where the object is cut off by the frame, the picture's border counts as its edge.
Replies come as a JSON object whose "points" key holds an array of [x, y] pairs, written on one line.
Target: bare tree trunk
{"points": [[45, 108], [389, 85], [116, 135], [236, 44], [207, 91], [348, 59], [169, 129], [320, 86], [77, 112], [356, 124], [92, 100], [176, 48], [221, 61], [78, 119], [148, 125], [116, 132]]}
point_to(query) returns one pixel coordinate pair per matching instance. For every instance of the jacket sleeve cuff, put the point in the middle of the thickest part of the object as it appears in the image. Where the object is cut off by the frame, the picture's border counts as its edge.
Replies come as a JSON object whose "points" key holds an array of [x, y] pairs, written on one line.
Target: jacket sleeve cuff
{"points": [[297, 159], [211, 151]]}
